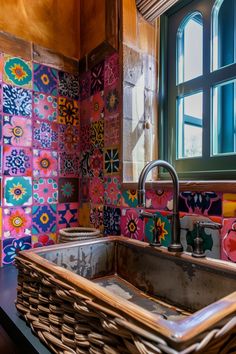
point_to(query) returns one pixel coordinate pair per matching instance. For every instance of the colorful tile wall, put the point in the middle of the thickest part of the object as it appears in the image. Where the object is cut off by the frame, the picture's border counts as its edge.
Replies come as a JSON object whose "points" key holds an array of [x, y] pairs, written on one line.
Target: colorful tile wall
{"points": [[105, 205], [39, 159]]}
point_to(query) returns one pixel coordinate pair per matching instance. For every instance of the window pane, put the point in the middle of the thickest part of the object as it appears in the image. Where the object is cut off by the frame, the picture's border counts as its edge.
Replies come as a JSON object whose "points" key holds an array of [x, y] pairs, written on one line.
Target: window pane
{"points": [[190, 126], [190, 47], [223, 127], [224, 33]]}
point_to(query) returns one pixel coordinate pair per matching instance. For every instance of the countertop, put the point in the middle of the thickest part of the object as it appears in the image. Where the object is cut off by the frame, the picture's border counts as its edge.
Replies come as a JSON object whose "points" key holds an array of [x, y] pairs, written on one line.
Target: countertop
{"points": [[15, 326]]}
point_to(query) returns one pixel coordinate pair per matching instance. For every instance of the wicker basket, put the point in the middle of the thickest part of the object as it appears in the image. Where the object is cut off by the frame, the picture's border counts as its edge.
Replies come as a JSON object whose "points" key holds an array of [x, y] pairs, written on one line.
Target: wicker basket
{"points": [[69, 317], [78, 234]]}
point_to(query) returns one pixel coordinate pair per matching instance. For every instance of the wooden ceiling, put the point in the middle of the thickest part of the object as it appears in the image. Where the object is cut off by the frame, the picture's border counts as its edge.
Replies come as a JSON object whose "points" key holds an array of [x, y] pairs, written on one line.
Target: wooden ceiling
{"points": [[151, 9]]}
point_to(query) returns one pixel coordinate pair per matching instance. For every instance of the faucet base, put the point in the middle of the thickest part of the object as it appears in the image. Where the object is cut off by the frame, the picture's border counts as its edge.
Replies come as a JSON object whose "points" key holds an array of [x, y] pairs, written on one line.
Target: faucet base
{"points": [[175, 247]]}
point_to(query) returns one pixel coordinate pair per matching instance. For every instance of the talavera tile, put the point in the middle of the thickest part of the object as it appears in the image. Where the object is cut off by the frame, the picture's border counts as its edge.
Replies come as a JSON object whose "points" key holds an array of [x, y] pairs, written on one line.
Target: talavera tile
{"points": [[228, 240], [206, 203], [162, 225], [131, 225], [12, 246], [229, 205]]}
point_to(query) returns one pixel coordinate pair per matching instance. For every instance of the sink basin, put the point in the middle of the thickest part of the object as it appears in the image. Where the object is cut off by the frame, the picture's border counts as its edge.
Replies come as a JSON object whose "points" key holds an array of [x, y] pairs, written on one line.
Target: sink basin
{"points": [[116, 295]]}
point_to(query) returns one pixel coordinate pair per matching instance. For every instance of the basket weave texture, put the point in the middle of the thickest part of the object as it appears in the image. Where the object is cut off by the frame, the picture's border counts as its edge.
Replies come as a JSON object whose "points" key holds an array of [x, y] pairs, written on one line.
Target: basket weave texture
{"points": [[70, 321], [78, 234]]}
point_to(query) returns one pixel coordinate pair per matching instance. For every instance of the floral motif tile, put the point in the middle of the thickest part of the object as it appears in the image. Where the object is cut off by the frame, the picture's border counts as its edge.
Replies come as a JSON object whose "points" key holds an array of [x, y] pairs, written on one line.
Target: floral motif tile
{"points": [[159, 199], [17, 101], [43, 240], [97, 106], [44, 163], [84, 214], [16, 222], [111, 220], [45, 190], [17, 191], [228, 240], [211, 238], [68, 111], [163, 228], [111, 75], [206, 203], [44, 219], [68, 85], [68, 164], [85, 112], [97, 78], [111, 161], [112, 130], [44, 106], [112, 194], [85, 131], [112, 100], [85, 84], [45, 135], [68, 190], [97, 134], [131, 225], [68, 215], [17, 161], [12, 246], [96, 190], [96, 163], [96, 216], [68, 138], [17, 72], [84, 189], [84, 163], [130, 198], [17, 131], [45, 79]]}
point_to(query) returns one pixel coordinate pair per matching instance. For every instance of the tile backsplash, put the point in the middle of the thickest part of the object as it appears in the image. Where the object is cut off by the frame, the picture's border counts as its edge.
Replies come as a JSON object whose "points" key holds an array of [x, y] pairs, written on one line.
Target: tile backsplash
{"points": [[60, 164], [39, 154]]}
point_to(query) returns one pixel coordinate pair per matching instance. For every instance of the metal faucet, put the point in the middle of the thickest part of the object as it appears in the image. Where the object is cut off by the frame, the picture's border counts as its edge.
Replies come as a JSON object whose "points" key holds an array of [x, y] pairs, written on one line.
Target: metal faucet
{"points": [[175, 245]]}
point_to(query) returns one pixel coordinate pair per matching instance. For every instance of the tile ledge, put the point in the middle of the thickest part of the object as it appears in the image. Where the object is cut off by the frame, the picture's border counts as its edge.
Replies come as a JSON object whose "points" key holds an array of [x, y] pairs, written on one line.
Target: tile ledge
{"points": [[228, 186]]}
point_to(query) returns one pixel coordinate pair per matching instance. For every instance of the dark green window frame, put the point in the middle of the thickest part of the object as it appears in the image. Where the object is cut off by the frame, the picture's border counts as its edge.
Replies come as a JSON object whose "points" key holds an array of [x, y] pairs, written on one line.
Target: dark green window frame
{"points": [[207, 167]]}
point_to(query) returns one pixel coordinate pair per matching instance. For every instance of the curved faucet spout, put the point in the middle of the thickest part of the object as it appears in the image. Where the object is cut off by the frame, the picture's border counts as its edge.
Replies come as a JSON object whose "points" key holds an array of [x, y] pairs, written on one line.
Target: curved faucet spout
{"points": [[175, 245]]}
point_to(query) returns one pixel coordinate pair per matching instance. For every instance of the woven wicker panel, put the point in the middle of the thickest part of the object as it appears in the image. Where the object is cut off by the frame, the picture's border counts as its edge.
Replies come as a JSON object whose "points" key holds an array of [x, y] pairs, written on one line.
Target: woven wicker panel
{"points": [[70, 320]]}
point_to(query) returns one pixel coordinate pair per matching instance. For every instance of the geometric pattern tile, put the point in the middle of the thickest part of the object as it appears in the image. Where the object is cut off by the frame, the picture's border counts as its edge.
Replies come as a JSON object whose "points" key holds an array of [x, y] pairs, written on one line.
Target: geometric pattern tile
{"points": [[68, 215], [68, 190], [44, 106], [45, 190], [45, 79], [44, 219], [17, 161]]}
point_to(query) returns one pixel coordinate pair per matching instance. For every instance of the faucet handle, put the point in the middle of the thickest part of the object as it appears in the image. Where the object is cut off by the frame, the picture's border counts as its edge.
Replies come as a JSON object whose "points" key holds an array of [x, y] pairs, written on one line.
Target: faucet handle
{"points": [[144, 214], [198, 250]]}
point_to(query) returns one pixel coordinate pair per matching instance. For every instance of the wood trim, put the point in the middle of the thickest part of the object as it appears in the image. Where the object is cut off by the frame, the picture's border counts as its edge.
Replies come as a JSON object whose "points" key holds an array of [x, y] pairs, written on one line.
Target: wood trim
{"points": [[197, 186], [112, 23], [15, 46], [59, 61]]}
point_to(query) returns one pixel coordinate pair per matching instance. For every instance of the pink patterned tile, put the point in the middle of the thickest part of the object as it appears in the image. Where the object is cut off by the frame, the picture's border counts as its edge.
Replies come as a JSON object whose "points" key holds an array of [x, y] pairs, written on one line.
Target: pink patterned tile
{"points": [[44, 163], [97, 106], [17, 131], [68, 165], [17, 222], [111, 75], [45, 190], [17, 161], [131, 225], [159, 199], [44, 106], [68, 215], [228, 240], [96, 190], [112, 194], [45, 135], [112, 130], [68, 137]]}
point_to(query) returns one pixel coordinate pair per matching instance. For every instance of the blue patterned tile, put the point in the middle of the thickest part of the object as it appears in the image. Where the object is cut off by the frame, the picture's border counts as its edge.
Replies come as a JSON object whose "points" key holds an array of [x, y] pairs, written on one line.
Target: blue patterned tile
{"points": [[45, 79], [17, 101]]}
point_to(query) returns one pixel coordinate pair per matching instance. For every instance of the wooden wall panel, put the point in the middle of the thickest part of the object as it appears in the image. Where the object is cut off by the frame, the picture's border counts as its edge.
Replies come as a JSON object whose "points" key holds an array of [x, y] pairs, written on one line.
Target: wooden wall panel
{"points": [[52, 24], [93, 27]]}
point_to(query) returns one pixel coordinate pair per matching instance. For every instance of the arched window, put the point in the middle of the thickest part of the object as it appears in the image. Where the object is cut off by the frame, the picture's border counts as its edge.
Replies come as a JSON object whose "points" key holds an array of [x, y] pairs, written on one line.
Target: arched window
{"points": [[198, 80], [189, 50], [223, 33]]}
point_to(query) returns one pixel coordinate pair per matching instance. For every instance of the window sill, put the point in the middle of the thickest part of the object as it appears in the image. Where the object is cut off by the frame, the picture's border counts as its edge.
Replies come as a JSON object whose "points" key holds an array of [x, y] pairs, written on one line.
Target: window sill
{"points": [[199, 186]]}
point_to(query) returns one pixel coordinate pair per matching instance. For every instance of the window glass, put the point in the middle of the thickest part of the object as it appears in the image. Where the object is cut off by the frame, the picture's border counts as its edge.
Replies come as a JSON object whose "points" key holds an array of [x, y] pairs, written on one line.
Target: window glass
{"points": [[224, 116], [190, 126], [190, 48], [224, 18]]}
